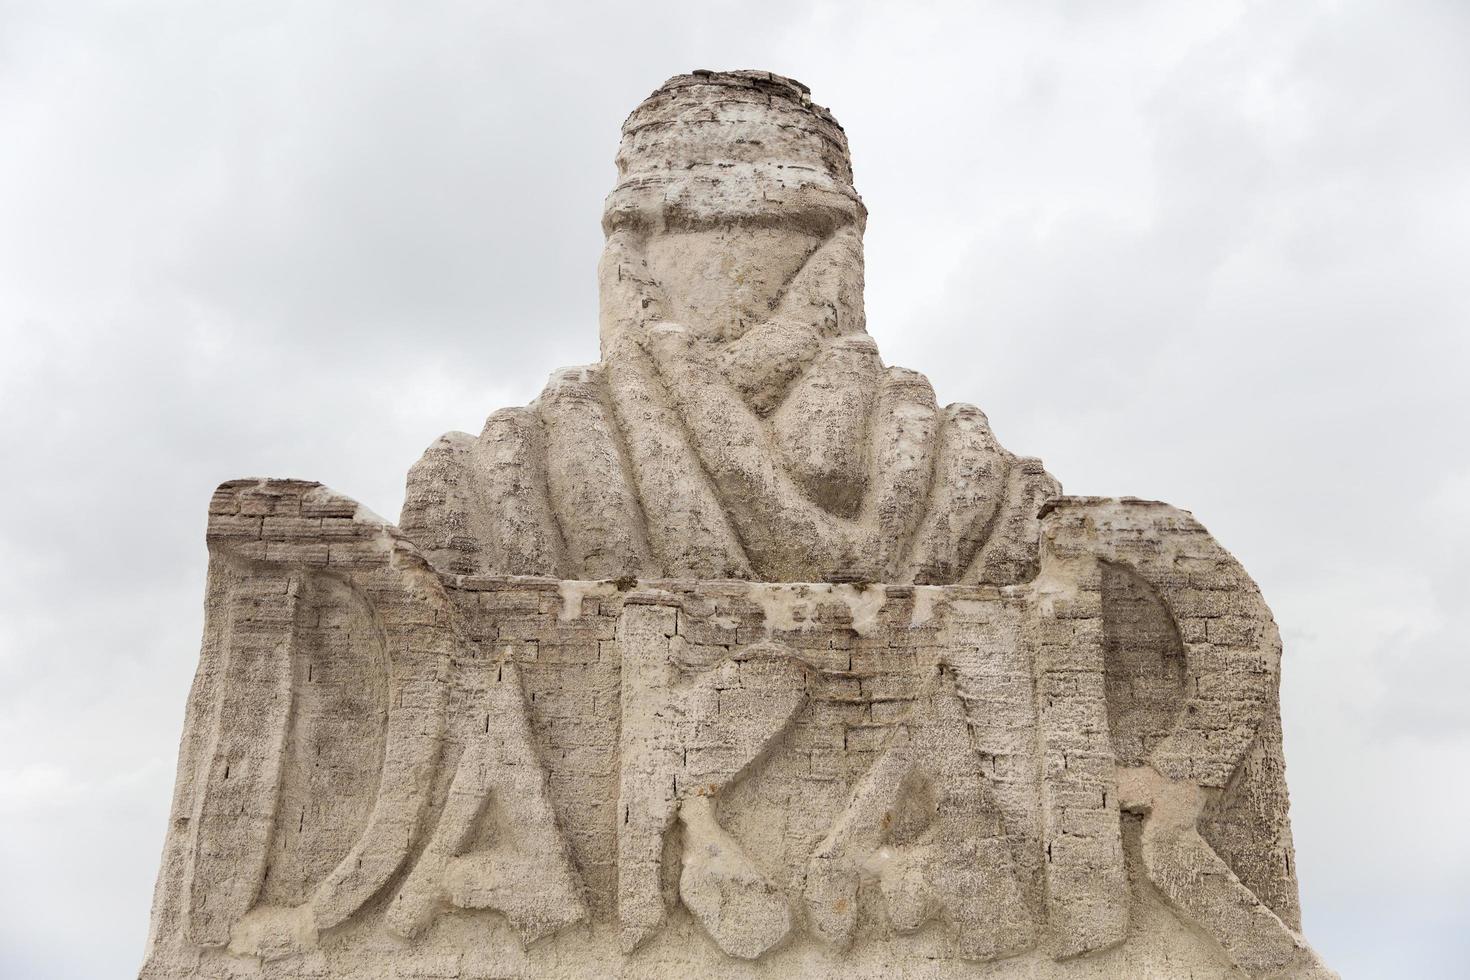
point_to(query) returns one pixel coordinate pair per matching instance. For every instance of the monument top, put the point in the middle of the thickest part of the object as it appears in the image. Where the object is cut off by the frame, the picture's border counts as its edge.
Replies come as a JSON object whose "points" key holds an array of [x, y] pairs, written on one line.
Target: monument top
{"points": [[747, 131], [741, 423]]}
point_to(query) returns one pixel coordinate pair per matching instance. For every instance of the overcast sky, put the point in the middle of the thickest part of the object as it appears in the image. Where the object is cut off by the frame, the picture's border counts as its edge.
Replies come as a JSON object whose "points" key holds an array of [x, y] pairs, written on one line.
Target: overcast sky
{"points": [[1214, 254]]}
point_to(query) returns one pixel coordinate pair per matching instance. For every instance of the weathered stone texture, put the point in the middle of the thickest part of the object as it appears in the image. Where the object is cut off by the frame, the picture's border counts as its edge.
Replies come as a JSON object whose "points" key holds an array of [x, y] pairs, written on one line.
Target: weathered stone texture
{"points": [[733, 654]]}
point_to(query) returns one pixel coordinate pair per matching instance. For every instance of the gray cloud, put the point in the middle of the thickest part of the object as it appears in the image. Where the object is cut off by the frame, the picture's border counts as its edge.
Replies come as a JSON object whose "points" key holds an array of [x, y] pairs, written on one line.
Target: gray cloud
{"points": [[1205, 253]]}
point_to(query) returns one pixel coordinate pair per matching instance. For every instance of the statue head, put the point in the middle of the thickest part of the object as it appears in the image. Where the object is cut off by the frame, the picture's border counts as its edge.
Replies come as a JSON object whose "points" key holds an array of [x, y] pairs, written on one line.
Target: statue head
{"points": [[715, 148], [729, 183]]}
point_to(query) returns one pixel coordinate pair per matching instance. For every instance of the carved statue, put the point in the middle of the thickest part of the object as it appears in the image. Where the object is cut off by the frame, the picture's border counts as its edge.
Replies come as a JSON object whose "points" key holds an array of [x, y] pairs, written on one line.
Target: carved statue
{"points": [[740, 423], [732, 648]]}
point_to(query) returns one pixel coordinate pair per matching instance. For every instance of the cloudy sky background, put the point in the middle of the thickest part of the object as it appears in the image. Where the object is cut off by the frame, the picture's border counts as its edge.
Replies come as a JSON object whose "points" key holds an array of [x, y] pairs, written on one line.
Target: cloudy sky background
{"points": [[1213, 254]]}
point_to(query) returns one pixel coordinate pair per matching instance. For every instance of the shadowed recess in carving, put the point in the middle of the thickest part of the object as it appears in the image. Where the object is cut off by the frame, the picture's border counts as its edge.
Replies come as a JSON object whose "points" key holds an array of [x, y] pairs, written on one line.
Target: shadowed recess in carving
{"points": [[334, 752], [1144, 660]]}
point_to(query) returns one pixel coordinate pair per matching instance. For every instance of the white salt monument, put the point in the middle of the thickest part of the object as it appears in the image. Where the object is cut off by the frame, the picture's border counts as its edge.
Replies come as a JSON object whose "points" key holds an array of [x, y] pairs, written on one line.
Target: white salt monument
{"points": [[732, 655]]}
